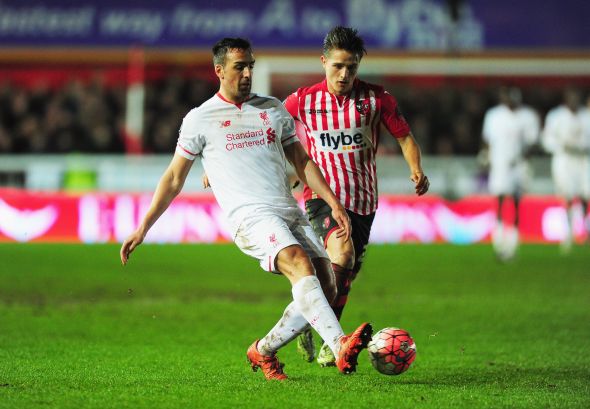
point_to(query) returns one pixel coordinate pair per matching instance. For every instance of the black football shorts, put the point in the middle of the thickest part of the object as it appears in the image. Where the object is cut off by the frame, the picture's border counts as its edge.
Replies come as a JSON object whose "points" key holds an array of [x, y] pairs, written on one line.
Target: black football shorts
{"points": [[320, 216]]}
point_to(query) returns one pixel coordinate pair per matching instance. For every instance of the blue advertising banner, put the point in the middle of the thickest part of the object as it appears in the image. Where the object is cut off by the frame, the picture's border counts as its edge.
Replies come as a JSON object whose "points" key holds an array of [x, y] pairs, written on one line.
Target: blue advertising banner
{"points": [[385, 24]]}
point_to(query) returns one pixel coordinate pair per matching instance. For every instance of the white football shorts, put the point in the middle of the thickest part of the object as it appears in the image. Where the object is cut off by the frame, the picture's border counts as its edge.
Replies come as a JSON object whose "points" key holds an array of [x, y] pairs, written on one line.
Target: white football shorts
{"points": [[508, 179], [571, 175], [264, 235]]}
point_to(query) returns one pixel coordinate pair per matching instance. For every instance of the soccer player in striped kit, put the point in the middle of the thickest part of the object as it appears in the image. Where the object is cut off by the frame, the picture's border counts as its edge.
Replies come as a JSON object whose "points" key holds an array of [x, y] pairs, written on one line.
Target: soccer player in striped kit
{"points": [[340, 120]]}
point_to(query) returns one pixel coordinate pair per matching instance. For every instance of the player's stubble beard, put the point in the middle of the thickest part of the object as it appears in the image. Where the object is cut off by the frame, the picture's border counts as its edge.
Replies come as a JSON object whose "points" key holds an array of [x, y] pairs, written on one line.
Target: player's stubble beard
{"points": [[244, 88]]}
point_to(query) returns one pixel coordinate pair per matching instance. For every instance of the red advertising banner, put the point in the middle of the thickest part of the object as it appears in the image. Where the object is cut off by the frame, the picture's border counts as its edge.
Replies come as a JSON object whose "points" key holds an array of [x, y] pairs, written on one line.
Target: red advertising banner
{"points": [[97, 218]]}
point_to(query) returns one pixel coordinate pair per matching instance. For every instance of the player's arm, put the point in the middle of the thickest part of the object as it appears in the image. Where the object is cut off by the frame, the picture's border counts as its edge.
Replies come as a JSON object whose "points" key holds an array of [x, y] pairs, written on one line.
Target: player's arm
{"points": [[395, 123], [413, 157], [168, 188], [309, 173]]}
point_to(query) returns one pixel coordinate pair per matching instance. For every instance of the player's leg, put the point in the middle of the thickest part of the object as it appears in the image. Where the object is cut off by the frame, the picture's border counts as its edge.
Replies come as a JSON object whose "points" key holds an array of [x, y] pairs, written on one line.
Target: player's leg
{"points": [[346, 355], [292, 323], [346, 256], [264, 237], [341, 255], [308, 293], [310, 300], [499, 212], [340, 251], [271, 241], [516, 207], [325, 274], [361, 230], [511, 234], [499, 181], [565, 187]]}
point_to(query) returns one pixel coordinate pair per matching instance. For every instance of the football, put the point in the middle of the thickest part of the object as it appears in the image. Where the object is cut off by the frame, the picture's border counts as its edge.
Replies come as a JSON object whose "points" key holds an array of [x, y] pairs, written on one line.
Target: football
{"points": [[392, 351]]}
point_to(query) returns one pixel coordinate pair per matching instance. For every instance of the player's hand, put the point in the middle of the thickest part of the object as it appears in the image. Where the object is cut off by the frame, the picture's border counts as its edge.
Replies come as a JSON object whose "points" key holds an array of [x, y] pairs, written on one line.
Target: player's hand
{"points": [[344, 229], [129, 245], [422, 184], [205, 181]]}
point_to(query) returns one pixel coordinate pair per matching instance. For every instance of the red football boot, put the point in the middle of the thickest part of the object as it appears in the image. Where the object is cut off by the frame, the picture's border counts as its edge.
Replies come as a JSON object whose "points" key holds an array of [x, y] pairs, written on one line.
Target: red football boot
{"points": [[350, 347], [270, 365]]}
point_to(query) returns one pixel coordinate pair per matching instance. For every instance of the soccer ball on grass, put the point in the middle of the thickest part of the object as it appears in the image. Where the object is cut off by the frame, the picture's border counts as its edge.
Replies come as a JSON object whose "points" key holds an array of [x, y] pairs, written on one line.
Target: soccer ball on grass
{"points": [[392, 351]]}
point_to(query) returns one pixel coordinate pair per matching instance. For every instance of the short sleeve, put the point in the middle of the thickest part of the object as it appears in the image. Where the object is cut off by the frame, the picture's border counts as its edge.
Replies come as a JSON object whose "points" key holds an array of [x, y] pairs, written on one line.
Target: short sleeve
{"points": [[292, 105], [392, 117], [191, 141], [287, 124]]}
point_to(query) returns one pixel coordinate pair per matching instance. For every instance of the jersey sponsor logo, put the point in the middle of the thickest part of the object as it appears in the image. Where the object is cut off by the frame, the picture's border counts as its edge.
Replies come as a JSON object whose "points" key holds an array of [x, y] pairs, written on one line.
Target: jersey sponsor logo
{"points": [[225, 124], [271, 135], [265, 118], [244, 135], [363, 106], [250, 139], [342, 141], [318, 111]]}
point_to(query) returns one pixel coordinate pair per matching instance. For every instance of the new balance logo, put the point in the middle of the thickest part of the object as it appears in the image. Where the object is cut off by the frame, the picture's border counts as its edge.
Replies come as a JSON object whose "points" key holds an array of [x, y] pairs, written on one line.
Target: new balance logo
{"points": [[342, 141], [225, 124]]}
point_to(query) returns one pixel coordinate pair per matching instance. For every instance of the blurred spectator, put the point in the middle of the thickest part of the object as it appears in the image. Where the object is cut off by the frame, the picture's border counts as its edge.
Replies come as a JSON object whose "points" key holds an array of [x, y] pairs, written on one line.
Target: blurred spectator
{"points": [[446, 114]]}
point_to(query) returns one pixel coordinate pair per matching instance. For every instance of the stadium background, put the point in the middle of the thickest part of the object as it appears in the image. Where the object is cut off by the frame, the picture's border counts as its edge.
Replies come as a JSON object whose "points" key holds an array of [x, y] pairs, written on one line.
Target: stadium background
{"points": [[92, 95]]}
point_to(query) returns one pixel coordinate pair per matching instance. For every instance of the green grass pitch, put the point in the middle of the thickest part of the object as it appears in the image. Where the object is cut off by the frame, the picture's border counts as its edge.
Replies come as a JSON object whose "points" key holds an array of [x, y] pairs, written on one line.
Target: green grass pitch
{"points": [[170, 330]]}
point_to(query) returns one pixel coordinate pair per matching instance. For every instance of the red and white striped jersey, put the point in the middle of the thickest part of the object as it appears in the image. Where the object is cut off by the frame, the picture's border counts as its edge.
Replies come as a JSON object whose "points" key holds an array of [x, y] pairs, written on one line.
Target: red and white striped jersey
{"points": [[342, 135]]}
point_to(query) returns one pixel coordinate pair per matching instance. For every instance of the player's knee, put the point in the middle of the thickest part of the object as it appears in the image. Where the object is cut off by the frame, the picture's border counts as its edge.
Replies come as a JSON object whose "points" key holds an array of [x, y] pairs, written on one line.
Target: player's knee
{"points": [[294, 262], [344, 258]]}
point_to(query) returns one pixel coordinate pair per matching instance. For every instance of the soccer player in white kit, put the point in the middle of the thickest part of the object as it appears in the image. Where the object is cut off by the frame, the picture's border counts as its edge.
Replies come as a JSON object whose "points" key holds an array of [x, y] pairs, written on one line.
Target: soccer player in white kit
{"points": [[566, 136], [243, 140], [509, 130]]}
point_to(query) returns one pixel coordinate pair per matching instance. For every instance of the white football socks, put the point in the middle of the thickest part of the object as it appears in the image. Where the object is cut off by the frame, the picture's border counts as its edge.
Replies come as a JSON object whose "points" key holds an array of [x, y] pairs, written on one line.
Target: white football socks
{"points": [[289, 326], [312, 304]]}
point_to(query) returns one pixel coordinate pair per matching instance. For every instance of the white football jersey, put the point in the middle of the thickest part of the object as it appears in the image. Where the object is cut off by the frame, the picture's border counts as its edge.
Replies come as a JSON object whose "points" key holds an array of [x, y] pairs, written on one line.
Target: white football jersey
{"points": [[508, 133], [565, 128], [242, 151]]}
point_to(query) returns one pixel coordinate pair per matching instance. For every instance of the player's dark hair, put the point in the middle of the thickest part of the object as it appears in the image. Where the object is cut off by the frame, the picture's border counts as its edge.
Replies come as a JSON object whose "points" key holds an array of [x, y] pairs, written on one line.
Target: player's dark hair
{"points": [[344, 38], [223, 46]]}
